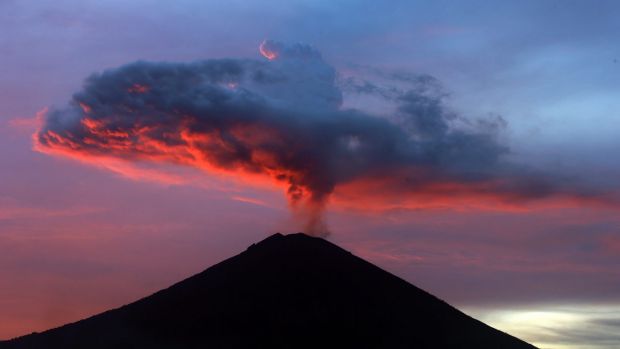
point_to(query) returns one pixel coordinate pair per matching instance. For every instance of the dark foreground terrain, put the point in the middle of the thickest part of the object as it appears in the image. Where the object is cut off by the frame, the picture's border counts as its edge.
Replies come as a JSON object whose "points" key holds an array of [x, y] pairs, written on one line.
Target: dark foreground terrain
{"points": [[290, 291]]}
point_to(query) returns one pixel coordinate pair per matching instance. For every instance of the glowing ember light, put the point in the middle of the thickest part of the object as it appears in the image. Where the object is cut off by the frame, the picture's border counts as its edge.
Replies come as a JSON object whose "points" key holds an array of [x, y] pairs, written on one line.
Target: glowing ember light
{"points": [[266, 52], [137, 88], [85, 107]]}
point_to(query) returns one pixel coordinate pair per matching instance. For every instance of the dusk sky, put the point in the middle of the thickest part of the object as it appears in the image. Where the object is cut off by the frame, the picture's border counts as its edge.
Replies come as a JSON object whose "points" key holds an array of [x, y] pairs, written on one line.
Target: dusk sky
{"points": [[471, 149]]}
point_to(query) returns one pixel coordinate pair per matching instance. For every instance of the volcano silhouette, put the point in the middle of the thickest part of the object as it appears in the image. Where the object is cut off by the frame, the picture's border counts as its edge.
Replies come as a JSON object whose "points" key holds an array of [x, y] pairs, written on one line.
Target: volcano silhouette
{"points": [[287, 291]]}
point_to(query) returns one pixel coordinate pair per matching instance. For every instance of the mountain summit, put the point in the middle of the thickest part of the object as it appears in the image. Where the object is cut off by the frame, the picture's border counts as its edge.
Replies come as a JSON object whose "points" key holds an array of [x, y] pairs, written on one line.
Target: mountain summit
{"points": [[287, 291]]}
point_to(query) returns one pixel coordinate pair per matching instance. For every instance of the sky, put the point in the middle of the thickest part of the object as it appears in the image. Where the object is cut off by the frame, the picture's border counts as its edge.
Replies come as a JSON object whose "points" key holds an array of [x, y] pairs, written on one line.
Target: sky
{"points": [[464, 147]]}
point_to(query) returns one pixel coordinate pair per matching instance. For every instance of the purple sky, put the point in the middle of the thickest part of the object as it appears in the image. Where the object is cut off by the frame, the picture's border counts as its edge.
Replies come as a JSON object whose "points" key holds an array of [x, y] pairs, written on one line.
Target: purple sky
{"points": [[78, 238]]}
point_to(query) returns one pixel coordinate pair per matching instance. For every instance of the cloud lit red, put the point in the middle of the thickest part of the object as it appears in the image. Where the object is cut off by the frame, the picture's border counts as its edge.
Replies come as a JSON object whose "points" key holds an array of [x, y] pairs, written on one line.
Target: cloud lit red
{"points": [[282, 119], [267, 51]]}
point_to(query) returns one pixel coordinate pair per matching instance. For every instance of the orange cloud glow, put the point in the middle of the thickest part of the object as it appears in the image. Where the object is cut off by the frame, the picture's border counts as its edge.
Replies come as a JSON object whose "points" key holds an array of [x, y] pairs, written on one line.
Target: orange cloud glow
{"points": [[269, 54], [281, 125], [29, 123], [121, 151], [378, 195]]}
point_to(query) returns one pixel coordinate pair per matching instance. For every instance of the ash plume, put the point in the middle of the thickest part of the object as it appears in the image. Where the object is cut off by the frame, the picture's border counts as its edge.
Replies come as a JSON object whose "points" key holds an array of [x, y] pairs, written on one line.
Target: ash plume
{"points": [[282, 117]]}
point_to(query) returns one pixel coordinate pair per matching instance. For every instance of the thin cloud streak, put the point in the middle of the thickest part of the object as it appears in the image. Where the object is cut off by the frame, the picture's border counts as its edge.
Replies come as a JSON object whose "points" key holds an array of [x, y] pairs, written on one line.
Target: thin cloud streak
{"points": [[573, 326]]}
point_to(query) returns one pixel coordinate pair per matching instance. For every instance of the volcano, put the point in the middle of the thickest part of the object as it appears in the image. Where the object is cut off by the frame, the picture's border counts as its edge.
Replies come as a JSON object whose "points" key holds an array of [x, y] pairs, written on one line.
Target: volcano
{"points": [[287, 291]]}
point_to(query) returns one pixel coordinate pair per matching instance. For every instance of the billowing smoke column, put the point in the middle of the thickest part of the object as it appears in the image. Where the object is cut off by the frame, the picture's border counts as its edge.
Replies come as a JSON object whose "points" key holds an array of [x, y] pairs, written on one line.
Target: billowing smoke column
{"points": [[282, 118]]}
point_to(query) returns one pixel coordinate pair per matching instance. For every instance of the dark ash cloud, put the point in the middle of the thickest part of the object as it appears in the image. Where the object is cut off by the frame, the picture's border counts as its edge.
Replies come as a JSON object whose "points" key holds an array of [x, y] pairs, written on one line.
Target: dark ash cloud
{"points": [[283, 117]]}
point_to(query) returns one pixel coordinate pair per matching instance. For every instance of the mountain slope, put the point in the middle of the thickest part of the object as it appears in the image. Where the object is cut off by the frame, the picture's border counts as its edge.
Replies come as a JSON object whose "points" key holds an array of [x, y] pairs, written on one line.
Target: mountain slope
{"points": [[291, 291]]}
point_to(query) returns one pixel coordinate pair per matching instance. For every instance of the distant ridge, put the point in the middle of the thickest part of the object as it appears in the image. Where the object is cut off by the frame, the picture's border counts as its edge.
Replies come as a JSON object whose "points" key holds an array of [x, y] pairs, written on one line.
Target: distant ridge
{"points": [[287, 291]]}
